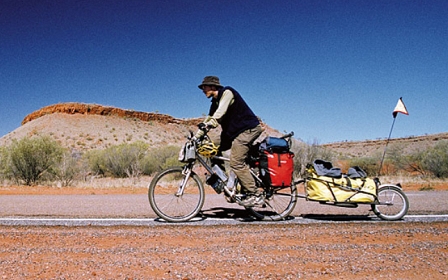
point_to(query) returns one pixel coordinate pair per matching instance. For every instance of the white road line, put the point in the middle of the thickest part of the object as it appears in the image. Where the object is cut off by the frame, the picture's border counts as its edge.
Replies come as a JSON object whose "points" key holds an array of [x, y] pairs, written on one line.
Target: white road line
{"points": [[152, 219], [95, 219], [427, 216]]}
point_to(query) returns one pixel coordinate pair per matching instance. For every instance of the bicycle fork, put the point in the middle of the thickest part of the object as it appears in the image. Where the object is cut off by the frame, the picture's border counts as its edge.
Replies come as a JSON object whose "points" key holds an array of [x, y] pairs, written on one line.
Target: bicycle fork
{"points": [[187, 173]]}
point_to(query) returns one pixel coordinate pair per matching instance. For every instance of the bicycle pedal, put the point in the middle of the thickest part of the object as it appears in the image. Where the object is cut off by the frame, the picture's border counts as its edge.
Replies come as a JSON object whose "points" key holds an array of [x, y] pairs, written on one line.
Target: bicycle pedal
{"points": [[230, 199]]}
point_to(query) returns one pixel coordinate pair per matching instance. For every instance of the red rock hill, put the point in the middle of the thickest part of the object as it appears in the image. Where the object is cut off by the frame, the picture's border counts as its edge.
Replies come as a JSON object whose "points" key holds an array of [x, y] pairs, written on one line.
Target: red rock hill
{"points": [[93, 109]]}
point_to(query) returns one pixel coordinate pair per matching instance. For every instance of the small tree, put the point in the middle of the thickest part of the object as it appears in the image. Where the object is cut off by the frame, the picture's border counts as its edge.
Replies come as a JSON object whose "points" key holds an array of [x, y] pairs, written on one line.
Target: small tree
{"points": [[30, 158], [161, 158], [394, 160], [414, 163], [94, 162], [435, 160], [3, 162], [125, 160], [67, 169], [369, 164]]}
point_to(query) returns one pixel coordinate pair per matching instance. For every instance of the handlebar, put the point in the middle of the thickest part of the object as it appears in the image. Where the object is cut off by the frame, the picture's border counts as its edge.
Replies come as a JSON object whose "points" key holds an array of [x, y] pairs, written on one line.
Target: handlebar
{"points": [[288, 135]]}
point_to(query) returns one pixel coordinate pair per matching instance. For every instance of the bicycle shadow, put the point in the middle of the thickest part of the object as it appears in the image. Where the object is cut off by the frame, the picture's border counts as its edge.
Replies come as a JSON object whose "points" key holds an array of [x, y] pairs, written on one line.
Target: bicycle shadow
{"points": [[241, 215], [337, 217], [224, 213]]}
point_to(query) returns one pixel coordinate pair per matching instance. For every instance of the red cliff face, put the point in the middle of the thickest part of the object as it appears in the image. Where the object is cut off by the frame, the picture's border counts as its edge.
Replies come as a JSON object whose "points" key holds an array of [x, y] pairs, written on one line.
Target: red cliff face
{"points": [[93, 109]]}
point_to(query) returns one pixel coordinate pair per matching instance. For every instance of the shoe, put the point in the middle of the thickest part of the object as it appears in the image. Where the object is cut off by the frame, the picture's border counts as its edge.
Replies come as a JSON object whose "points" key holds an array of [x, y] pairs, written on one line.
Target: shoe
{"points": [[252, 201]]}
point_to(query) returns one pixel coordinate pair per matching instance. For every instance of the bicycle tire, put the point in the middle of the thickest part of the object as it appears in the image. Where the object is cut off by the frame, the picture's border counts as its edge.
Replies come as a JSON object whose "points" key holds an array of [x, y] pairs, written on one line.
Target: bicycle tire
{"points": [[393, 203], [167, 204], [278, 205]]}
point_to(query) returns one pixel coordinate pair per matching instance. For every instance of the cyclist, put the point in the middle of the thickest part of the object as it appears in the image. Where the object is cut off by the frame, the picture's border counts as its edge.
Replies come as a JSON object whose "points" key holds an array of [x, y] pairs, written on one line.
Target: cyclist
{"points": [[240, 128]]}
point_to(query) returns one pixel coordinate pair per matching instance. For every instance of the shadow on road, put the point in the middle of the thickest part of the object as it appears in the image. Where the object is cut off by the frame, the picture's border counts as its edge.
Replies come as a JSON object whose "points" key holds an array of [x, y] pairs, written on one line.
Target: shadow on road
{"points": [[243, 215], [337, 217], [225, 213]]}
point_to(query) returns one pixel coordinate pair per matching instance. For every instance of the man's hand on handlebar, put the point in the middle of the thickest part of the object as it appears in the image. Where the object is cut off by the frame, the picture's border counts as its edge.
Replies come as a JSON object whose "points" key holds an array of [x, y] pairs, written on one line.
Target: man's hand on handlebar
{"points": [[202, 126], [205, 126], [203, 129]]}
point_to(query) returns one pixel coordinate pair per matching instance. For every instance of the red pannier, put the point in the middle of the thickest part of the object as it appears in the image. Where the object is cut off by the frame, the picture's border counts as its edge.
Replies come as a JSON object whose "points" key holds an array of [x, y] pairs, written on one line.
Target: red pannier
{"points": [[276, 169]]}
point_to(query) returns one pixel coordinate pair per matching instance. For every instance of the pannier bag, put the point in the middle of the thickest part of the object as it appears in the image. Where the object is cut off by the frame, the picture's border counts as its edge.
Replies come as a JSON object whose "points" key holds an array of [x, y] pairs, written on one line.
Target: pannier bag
{"points": [[274, 145], [340, 188], [276, 162], [276, 169]]}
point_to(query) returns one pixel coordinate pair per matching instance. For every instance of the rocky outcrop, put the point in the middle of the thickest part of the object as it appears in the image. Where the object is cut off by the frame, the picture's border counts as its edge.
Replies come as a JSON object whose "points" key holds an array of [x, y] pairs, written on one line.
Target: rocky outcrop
{"points": [[94, 109]]}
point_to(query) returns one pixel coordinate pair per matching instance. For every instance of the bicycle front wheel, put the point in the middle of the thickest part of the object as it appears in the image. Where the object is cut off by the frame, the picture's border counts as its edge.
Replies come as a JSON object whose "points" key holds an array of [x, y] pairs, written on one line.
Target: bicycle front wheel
{"points": [[393, 203], [169, 202], [279, 203]]}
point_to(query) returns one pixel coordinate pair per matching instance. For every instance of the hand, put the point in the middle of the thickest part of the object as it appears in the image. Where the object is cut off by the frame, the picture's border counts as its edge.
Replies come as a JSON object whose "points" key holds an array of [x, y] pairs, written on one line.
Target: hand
{"points": [[199, 134], [203, 127]]}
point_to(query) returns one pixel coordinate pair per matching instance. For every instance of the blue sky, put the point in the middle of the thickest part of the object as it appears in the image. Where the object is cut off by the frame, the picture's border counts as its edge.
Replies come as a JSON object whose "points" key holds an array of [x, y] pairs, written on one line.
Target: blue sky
{"points": [[327, 70]]}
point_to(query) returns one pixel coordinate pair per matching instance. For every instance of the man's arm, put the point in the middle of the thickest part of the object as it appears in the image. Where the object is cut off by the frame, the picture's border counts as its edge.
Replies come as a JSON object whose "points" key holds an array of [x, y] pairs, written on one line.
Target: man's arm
{"points": [[226, 100]]}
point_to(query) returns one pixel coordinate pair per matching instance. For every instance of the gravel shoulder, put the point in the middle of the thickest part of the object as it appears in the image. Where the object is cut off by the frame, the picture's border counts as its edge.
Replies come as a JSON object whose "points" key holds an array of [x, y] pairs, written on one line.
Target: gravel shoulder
{"points": [[324, 250], [390, 250]]}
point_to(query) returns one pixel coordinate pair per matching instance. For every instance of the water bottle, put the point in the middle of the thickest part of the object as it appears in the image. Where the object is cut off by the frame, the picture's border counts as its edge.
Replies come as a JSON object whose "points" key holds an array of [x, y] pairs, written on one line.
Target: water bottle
{"points": [[231, 181], [218, 171]]}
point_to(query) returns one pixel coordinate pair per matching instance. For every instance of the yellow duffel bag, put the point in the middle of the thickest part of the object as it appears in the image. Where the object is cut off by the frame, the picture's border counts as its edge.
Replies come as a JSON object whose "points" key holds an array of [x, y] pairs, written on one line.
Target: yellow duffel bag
{"points": [[342, 189]]}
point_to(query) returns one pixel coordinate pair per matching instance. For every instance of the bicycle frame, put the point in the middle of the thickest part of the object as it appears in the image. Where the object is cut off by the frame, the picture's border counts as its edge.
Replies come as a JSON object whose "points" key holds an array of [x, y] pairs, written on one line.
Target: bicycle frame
{"points": [[189, 167]]}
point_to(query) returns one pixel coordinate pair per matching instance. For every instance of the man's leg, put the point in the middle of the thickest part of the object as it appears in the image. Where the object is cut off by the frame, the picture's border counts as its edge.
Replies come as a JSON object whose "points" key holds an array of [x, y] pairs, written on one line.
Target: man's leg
{"points": [[238, 155]]}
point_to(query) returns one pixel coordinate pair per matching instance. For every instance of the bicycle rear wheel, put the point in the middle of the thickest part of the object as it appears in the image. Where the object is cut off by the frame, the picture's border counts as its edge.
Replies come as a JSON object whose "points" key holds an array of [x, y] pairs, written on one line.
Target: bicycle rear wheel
{"points": [[279, 203], [165, 200], [393, 203]]}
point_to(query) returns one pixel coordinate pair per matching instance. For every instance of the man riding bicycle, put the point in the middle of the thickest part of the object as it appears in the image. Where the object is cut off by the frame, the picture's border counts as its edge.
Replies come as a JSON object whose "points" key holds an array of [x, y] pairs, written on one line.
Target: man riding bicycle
{"points": [[240, 128]]}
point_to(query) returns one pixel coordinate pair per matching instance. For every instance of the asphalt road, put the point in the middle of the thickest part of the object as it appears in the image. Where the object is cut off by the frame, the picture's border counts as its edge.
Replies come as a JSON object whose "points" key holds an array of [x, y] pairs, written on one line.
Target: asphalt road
{"points": [[134, 209]]}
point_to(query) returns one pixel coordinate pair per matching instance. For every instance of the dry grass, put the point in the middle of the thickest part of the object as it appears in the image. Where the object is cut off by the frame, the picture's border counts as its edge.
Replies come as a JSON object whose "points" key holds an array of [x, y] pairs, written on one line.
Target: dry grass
{"points": [[140, 186], [412, 183]]}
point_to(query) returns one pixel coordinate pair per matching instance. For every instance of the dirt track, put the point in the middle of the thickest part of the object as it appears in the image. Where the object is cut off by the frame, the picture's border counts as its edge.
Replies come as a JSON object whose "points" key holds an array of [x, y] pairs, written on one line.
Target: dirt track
{"points": [[325, 251], [380, 250]]}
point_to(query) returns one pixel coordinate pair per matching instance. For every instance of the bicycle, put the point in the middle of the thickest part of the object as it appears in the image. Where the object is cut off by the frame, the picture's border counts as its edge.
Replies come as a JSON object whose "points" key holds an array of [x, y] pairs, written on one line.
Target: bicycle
{"points": [[177, 193]]}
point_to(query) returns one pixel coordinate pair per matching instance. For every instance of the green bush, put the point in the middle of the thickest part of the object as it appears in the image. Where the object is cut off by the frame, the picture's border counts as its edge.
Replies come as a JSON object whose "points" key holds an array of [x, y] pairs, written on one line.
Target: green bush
{"points": [[435, 160], [414, 163], [130, 160], [30, 158], [67, 169], [125, 160], [94, 162], [3, 162], [395, 160], [369, 164], [161, 158]]}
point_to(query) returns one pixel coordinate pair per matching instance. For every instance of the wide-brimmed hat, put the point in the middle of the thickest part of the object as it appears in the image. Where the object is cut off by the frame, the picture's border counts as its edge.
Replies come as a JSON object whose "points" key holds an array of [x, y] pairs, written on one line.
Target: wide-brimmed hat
{"points": [[210, 81]]}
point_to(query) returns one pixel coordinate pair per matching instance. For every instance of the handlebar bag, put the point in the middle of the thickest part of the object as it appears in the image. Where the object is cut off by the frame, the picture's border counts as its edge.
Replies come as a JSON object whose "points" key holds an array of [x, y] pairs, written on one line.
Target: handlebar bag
{"points": [[276, 169], [187, 153]]}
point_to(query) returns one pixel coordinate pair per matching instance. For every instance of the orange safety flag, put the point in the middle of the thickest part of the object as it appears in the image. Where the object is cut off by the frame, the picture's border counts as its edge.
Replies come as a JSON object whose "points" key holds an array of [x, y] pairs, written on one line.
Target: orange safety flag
{"points": [[400, 108]]}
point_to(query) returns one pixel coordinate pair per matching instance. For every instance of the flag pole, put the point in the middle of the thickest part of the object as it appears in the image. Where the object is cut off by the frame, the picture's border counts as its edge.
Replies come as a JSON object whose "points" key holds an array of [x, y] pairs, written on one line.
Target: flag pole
{"points": [[387, 143], [399, 108]]}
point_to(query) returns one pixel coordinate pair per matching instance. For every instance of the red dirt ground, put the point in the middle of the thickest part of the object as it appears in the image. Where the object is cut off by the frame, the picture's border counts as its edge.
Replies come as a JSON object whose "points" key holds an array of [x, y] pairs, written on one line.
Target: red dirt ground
{"points": [[381, 250]]}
